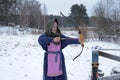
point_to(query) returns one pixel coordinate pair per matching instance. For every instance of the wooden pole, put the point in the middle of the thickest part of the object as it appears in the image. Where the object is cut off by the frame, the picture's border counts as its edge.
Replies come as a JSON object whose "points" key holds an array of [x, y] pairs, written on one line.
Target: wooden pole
{"points": [[95, 59]]}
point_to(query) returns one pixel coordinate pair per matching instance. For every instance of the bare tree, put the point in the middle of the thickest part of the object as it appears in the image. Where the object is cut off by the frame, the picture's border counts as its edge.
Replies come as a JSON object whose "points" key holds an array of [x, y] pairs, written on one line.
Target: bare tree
{"points": [[5, 9], [30, 13], [45, 15], [99, 9], [107, 14]]}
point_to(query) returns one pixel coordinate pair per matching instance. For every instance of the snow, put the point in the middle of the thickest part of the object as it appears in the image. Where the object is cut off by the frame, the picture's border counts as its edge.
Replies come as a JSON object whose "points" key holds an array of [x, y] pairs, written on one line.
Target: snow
{"points": [[21, 58], [16, 30]]}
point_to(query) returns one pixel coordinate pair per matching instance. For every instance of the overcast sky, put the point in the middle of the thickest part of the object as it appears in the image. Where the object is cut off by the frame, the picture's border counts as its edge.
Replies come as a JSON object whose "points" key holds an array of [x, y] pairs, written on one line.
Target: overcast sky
{"points": [[55, 6]]}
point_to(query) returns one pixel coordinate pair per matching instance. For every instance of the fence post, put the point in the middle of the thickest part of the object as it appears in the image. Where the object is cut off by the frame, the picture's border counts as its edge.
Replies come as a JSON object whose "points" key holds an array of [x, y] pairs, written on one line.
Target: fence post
{"points": [[95, 63]]}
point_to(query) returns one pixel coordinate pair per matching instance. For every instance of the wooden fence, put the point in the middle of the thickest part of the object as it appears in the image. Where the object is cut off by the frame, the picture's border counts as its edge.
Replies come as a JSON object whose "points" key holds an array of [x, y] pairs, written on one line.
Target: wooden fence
{"points": [[95, 63]]}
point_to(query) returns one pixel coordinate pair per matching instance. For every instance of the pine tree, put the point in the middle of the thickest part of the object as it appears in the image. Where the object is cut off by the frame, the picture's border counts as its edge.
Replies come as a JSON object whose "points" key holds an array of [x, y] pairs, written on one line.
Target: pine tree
{"points": [[79, 15]]}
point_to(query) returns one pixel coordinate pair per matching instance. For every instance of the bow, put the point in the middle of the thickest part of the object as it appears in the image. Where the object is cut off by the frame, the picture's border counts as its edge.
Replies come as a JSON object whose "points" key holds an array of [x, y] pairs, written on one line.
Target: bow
{"points": [[80, 33]]}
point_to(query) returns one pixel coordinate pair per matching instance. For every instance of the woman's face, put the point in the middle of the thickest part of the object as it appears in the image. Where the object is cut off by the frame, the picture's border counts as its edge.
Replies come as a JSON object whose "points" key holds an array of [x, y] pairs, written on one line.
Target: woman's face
{"points": [[54, 27]]}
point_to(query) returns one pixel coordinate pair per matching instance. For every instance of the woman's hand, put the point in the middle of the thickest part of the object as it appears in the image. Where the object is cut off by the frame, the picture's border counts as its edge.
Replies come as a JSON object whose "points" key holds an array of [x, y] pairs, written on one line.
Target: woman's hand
{"points": [[56, 39]]}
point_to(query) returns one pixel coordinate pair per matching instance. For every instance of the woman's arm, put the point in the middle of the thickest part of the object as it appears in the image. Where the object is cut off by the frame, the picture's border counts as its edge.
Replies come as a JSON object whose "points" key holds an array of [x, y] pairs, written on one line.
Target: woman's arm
{"points": [[43, 40], [67, 40]]}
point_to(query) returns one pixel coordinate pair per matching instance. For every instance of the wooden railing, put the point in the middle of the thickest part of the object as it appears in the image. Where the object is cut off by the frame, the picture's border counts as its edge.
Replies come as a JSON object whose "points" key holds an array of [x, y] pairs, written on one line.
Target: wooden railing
{"points": [[95, 64]]}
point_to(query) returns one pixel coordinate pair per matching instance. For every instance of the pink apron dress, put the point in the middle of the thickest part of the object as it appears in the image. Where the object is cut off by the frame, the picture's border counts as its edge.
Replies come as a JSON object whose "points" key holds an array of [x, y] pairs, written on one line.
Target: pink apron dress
{"points": [[54, 60]]}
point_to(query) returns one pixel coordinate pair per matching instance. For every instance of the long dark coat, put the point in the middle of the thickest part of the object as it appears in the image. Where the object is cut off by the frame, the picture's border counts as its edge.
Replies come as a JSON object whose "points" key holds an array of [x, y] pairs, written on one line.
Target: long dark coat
{"points": [[43, 41]]}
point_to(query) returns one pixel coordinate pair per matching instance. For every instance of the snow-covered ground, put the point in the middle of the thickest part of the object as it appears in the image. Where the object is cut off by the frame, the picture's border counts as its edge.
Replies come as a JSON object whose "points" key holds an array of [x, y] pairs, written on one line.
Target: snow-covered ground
{"points": [[16, 30], [21, 58]]}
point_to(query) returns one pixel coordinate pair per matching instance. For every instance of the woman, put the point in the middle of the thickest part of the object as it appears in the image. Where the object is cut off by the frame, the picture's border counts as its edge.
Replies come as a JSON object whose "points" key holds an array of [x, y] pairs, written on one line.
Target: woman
{"points": [[52, 41]]}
